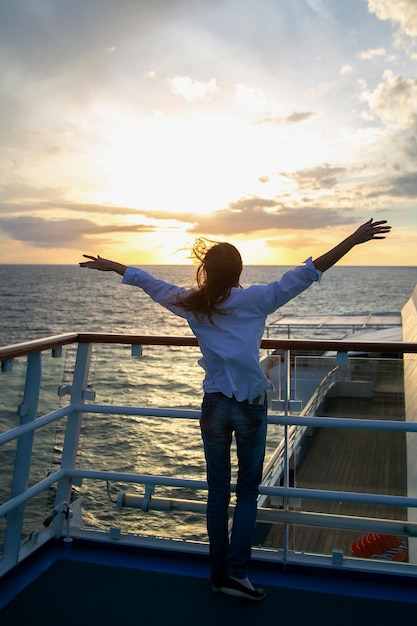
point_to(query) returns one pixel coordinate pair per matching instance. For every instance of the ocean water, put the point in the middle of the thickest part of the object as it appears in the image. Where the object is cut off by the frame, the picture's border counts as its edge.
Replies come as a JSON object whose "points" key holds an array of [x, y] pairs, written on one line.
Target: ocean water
{"points": [[39, 301], [42, 300]]}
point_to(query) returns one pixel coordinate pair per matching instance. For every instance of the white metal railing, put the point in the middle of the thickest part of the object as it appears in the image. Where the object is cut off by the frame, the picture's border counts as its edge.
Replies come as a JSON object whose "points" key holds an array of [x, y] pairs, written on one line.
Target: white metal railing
{"points": [[295, 432], [12, 509]]}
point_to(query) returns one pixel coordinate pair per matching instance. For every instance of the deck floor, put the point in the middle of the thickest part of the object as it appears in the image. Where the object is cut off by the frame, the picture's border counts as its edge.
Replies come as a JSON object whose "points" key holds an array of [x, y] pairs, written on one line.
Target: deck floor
{"points": [[90, 586], [350, 460]]}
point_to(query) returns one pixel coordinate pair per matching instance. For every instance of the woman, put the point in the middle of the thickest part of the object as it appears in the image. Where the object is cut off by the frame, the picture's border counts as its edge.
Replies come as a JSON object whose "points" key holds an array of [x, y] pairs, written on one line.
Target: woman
{"points": [[229, 322]]}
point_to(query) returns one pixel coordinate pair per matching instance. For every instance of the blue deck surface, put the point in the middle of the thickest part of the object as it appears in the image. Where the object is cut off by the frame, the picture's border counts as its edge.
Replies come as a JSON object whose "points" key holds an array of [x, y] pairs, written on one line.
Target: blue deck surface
{"points": [[94, 583]]}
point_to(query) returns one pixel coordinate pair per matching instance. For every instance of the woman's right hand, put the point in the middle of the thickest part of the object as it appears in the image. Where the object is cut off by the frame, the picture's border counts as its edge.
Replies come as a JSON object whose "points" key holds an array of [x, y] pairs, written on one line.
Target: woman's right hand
{"points": [[103, 265]]}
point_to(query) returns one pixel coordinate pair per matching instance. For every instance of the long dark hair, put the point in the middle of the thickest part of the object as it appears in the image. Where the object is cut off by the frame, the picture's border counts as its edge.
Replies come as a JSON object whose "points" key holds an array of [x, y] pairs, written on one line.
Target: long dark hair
{"points": [[219, 269]]}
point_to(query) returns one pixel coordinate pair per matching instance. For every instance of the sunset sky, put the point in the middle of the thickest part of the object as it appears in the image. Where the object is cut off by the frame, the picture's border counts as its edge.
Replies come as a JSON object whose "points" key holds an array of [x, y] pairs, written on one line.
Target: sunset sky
{"points": [[129, 128]]}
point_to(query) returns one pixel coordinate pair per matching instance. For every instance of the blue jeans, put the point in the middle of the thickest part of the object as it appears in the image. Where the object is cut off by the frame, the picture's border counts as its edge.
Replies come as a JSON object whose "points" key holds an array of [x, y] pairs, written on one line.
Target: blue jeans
{"points": [[220, 416]]}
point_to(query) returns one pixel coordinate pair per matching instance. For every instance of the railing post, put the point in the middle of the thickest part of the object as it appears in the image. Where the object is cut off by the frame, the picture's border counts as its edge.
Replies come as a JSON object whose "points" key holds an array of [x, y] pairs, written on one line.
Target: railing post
{"points": [[287, 397], [72, 432], [27, 413]]}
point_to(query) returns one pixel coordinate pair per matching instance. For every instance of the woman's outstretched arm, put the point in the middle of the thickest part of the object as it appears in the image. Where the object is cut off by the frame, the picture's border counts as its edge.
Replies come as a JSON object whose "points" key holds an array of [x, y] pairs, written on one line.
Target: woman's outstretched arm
{"points": [[367, 232]]}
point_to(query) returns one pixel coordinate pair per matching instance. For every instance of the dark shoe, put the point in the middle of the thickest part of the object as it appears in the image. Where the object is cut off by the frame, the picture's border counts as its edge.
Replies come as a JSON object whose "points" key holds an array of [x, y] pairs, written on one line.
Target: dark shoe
{"points": [[216, 583], [234, 588]]}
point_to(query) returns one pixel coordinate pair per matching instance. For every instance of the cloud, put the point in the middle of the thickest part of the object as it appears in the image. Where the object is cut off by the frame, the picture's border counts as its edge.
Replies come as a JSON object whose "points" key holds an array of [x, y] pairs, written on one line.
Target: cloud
{"points": [[394, 102], [403, 13], [320, 177], [293, 118], [372, 53], [30, 207], [321, 89], [254, 214], [60, 233], [251, 203], [254, 100], [404, 186], [17, 190], [192, 90]]}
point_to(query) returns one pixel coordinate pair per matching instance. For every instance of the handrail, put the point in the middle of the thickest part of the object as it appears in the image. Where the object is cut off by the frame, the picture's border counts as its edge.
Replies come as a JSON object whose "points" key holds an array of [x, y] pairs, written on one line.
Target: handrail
{"points": [[149, 340], [151, 479], [190, 414], [30, 492], [290, 492], [36, 345], [29, 427], [340, 346]]}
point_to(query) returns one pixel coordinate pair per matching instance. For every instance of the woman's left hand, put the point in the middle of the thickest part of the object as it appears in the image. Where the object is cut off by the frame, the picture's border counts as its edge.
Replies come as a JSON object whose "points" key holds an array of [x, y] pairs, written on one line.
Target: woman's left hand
{"points": [[371, 230]]}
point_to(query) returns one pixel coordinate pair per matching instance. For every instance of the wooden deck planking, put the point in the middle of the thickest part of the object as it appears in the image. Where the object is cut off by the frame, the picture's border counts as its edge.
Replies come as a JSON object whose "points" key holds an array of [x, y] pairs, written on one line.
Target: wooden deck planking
{"points": [[350, 460]]}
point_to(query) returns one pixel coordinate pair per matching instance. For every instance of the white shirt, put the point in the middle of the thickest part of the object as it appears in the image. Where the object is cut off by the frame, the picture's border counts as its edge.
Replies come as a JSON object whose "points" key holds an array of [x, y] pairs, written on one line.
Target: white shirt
{"points": [[230, 348]]}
